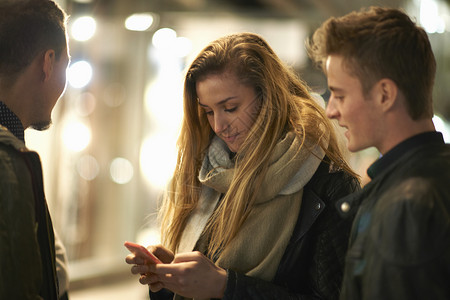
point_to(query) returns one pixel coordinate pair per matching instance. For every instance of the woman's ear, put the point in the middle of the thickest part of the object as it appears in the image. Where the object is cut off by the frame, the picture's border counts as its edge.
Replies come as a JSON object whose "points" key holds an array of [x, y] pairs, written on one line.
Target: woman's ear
{"points": [[48, 64]]}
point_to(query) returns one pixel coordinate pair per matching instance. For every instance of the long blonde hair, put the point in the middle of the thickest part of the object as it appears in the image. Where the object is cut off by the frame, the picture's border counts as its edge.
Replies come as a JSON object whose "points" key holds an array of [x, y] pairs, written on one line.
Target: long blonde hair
{"points": [[286, 105]]}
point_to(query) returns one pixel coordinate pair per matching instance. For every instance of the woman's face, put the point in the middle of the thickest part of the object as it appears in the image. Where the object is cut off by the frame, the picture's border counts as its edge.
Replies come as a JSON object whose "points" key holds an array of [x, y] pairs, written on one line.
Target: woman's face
{"points": [[230, 106]]}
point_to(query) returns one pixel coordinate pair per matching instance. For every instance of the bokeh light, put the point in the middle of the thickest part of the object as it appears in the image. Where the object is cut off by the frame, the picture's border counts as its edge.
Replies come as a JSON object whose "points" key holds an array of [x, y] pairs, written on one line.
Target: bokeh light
{"points": [[88, 167], [139, 22], [157, 159], [121, 170], [79, 74], [83, 28], [76, 136]]}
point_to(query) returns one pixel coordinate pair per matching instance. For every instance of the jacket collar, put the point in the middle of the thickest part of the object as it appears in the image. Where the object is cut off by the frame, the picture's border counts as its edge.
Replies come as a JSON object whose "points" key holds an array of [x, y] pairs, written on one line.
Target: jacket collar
{"points": [[401, 149], [7, 138], [349, 205]]}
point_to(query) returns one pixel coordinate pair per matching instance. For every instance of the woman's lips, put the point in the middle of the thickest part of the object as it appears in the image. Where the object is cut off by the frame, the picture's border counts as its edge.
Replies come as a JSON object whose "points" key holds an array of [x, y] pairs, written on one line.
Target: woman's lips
{"points": [[230, 139]]}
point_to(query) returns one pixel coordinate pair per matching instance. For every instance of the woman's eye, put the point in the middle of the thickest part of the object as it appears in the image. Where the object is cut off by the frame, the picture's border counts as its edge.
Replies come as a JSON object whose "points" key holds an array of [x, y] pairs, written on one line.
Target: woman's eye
{"points": [[209, 113], [231, 109]]}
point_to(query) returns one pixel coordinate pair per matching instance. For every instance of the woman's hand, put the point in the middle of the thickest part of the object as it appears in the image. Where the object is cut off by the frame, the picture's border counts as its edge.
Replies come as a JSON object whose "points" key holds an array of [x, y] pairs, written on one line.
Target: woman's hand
{"points": [[164, 255], [190, 275]]}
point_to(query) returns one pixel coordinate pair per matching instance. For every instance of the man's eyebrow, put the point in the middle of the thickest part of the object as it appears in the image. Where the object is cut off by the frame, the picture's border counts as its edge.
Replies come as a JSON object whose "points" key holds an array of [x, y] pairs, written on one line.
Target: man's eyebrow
{"points": [[335, 89], [219, 103]]}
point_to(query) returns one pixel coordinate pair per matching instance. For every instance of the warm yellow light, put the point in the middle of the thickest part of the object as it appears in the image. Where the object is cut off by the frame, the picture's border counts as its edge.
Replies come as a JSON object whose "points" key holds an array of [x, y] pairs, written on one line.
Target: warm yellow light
{"points": [[157, 159], [76, 136]]}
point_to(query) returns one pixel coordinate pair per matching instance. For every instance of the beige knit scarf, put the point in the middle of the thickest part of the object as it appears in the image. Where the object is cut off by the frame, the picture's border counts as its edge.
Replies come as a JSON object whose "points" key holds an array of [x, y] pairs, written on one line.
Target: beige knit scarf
{"points": [[260, 243]]}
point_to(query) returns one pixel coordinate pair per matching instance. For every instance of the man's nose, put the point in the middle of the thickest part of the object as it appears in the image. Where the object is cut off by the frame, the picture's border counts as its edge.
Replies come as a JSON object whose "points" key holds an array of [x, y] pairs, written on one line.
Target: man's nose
{"points": [[331, 110]]}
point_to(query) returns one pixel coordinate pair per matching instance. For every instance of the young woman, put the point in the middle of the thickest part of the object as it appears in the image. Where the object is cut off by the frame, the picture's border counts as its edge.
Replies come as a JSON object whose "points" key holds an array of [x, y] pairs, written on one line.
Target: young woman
{"points": [[250, 209]]}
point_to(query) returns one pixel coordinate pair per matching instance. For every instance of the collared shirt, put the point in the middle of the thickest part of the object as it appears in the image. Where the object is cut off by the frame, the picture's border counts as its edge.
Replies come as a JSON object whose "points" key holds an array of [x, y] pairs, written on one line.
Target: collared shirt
{"points": [[11, 121], [392, 155]]}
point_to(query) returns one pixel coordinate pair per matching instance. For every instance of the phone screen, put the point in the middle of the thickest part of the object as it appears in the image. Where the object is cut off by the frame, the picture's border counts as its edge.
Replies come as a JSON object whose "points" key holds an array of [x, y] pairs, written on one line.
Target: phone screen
{"points": [[141, 251]]}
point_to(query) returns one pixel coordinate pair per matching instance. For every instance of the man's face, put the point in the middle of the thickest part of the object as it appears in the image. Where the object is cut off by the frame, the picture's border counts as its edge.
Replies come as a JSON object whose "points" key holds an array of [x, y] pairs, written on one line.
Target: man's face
{"points": [[348, 105], [54, 89]]}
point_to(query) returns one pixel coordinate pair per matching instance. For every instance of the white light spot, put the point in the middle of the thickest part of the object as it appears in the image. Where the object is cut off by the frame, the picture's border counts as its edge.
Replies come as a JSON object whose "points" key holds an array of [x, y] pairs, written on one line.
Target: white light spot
{"points": [[76, 136], [121, 170], [79, 74], [83, 28], [87, 167], [164, 38], [139, 22]]}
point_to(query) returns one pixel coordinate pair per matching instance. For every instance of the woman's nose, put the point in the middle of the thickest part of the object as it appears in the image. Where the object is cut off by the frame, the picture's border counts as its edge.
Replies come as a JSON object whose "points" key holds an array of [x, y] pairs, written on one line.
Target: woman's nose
{"points": [[221, 123]]}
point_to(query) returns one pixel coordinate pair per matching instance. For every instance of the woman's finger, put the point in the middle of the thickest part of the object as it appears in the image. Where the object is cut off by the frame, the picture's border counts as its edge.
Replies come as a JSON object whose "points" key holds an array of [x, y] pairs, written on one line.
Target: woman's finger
{"points": [[134, 260], [139, 269], [164, 254], [156, 287]]}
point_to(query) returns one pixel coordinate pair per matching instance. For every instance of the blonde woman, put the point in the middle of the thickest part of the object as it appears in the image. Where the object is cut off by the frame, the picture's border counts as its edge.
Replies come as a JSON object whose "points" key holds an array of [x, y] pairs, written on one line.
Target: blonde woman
{"points": [[250, 209]]}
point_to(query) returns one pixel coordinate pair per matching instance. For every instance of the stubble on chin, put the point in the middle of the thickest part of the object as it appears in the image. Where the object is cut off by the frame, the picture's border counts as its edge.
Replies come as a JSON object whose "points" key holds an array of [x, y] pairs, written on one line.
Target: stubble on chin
{"points": [[42, 125]]}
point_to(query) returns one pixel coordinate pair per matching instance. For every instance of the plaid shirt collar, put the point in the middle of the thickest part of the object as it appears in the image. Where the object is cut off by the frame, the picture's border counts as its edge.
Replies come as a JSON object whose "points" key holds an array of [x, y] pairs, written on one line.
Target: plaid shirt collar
{"points": [[12, 122]]}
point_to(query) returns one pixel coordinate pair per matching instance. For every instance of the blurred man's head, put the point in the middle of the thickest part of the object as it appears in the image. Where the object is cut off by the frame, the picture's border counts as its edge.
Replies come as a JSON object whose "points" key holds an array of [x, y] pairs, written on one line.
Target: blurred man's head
{"points": [[33, 52]]}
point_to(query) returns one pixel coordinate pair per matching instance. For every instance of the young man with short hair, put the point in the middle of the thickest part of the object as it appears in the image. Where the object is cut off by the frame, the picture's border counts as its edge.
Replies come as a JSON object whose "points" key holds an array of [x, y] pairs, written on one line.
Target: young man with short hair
{"points": [[381, 69], [33, 62]]}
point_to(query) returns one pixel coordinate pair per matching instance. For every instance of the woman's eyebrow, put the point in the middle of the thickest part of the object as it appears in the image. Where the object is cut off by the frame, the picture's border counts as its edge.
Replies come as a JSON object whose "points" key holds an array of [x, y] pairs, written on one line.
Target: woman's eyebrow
{"points": [[219, 103]]}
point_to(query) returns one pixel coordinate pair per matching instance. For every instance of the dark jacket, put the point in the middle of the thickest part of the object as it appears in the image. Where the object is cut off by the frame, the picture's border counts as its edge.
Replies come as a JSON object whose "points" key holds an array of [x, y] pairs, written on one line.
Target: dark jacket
{"points": [[312, 265], [400, 241], [27, 253]]}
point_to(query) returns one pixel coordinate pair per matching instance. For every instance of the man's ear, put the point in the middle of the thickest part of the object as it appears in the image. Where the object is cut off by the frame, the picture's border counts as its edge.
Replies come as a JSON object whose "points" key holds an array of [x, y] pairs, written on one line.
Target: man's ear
{"points": [[48, 65], [388, 93]]}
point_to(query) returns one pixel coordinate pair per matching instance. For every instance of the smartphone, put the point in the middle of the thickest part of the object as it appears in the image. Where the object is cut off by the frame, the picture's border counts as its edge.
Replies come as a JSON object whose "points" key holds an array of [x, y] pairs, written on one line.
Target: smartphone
{"points": [[141, 251]]}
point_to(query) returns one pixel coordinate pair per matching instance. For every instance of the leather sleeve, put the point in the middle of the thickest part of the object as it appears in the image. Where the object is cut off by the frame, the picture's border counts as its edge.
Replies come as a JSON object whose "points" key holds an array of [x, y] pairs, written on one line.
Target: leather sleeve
{"points": [[409, 242], [20, 270]]}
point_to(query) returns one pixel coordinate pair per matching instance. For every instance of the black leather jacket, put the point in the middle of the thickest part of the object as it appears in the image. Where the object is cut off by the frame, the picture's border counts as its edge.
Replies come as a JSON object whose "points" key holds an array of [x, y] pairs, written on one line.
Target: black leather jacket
{"points": [[312, 265], [400, 241]]}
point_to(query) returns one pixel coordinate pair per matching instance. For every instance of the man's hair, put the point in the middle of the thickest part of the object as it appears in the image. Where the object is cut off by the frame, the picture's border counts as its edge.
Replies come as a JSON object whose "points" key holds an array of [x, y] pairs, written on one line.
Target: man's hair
{"points": [[27, 28], [378, 43]]}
